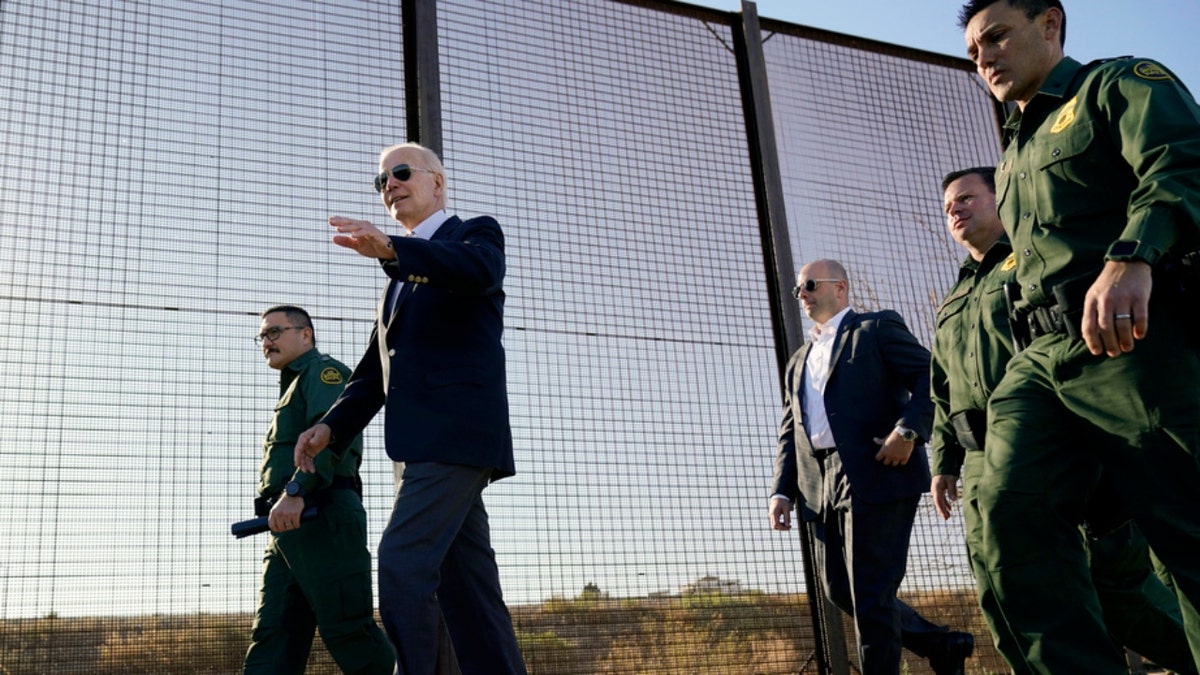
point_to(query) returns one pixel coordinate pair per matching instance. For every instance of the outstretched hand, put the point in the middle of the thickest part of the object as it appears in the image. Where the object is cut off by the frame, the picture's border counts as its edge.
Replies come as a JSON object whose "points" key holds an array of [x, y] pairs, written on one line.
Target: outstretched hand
{"points": [[363, 237]]}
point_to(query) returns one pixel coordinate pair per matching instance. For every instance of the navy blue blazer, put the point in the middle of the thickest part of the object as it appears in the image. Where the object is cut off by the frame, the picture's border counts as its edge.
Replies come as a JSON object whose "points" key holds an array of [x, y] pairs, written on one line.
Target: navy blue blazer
{"points": [[437, 362], [879, 378]]}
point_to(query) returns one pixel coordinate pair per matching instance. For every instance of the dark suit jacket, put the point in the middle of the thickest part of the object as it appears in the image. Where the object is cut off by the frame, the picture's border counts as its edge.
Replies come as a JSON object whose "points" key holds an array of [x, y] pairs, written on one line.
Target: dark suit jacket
{"points": [[879, 378], [437, 363]]}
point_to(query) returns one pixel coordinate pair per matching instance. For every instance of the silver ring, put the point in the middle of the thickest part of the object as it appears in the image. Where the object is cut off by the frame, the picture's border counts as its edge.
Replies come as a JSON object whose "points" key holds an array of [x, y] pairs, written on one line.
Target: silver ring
{"points": [[1122, 316]]}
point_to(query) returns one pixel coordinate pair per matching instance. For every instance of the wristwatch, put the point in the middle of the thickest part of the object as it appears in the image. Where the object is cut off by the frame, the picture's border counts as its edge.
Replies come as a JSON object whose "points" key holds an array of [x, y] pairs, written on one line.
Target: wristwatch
{"points": [[1125, 250], [294, 489], [906, 433]]}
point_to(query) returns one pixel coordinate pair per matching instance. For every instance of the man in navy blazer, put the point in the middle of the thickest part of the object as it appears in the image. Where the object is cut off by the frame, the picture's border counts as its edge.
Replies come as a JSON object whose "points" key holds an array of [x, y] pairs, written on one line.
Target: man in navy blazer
{"points": [[436, 365], [856, 408]]}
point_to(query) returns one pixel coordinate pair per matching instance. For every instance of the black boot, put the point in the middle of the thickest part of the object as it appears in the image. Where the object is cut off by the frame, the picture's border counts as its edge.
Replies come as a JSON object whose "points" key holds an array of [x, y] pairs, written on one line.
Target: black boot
{"points": [[954, 649]]}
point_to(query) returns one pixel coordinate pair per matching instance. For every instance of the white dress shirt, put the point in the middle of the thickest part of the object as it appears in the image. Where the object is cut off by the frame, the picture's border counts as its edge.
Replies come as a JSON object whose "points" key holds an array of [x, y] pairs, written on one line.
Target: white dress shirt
{"points": [[816, 375]]}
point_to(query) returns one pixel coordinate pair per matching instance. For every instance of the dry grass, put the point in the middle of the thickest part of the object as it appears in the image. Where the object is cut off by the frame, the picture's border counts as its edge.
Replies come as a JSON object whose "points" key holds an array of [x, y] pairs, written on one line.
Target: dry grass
{"points": [[750, 634]]}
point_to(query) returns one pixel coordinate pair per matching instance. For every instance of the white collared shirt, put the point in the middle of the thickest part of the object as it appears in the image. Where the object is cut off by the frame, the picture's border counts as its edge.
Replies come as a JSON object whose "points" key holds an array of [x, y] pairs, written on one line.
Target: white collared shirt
{"points": [[426, 229], [817, 368]]}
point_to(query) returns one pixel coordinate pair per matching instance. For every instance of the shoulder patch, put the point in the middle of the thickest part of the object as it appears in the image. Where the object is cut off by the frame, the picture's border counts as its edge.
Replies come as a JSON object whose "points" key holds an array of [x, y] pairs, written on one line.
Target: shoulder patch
{"points": [[1148, 70], [1009, 262], [331, 375], [1066, 115]]}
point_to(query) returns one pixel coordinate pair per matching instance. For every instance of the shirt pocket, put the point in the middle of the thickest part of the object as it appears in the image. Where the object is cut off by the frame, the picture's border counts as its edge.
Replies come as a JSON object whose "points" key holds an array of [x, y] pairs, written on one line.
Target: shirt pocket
{"points": [[994, 310], [285, 400], [954, 304], [1069, 175]]}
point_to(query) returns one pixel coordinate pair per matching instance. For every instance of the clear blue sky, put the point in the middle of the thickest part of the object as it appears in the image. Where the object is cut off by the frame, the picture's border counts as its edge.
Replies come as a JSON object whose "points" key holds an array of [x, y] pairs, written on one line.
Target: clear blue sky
{"points": [[1165, 30]]}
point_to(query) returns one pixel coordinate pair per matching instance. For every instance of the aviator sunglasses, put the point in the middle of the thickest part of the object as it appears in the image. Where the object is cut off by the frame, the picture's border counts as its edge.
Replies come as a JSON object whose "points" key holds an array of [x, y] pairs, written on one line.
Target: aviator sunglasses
{"points": [[401, 172], [810, 285]]}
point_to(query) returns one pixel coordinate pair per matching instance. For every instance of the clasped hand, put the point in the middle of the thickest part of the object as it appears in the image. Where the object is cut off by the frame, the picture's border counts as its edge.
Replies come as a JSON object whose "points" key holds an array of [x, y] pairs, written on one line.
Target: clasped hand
{"points": [[308, 445]]}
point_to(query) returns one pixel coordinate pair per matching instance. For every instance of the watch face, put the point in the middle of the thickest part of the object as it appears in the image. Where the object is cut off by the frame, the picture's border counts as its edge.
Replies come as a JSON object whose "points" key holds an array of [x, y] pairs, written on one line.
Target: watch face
{"points": [[1123, 248], [293, 488]]}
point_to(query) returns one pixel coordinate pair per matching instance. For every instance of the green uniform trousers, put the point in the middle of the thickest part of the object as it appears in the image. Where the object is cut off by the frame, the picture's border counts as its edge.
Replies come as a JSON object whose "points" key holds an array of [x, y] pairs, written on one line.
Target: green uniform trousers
{"points": [[319, 576], [1141, 613], [1058, 415]]}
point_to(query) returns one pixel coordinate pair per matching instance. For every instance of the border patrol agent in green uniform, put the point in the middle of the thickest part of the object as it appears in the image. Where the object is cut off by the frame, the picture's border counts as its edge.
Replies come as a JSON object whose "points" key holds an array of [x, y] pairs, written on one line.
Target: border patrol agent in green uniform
{"points": [[972, 346], [1100, 179], [316, 574]]}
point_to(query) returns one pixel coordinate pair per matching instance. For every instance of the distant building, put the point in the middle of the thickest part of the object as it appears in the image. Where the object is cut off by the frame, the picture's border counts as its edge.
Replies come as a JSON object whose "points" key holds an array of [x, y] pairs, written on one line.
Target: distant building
{"points": [[712, 586]]}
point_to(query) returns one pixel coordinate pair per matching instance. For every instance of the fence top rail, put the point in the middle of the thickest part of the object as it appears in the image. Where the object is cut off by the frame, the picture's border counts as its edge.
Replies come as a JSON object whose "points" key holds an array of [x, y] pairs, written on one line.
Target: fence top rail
{"points": [[769, 25]]}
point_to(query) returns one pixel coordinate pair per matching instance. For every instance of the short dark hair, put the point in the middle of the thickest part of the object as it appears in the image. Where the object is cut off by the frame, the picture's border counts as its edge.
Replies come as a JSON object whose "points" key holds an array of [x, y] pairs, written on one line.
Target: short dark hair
{"points": [[987, 173], [1032, 9], [296, 317]]}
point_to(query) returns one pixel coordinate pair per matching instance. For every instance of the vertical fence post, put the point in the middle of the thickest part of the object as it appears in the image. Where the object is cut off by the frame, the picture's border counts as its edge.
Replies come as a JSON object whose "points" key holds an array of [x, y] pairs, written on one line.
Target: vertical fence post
{"points": [[422, 83], [830, 653], [423, 110]]}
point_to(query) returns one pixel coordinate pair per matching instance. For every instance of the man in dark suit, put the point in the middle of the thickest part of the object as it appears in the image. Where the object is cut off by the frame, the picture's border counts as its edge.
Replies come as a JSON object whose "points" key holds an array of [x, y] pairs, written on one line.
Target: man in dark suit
{"points": [[856, 406], [435, 362]]}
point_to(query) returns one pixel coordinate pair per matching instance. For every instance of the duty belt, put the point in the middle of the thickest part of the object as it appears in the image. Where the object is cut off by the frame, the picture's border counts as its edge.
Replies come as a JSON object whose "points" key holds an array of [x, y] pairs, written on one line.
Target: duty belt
{"points": [[1062, 317], [262, 505], [1047, 321]]}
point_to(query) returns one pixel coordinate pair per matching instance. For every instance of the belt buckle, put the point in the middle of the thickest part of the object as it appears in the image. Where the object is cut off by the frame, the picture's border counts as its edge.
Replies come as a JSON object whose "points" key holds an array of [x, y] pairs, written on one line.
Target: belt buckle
{"points": [[1042, 322]]}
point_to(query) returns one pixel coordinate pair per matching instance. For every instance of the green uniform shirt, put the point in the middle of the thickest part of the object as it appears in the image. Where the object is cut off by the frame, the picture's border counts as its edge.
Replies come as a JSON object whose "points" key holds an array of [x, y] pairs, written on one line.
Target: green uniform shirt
{"points": [[1103, 152], [307, 387], [971, 347]]}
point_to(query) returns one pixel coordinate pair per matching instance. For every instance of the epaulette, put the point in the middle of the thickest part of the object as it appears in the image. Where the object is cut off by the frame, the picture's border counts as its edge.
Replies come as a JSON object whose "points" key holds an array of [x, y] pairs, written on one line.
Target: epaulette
{"points": [[1109, 59], [1143, 69]]}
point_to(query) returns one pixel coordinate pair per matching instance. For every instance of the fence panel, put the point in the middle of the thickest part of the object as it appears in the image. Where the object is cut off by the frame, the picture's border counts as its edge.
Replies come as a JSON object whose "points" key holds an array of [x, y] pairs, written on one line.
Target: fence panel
{"points": [[166, 169]]}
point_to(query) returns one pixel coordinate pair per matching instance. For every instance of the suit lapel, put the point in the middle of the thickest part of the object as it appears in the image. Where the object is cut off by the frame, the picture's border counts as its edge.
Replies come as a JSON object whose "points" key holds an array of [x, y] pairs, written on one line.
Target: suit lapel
{"points": [[839, 341], [405, 291], [387, 317], [800, 385], [447, 229], [802, 371]]}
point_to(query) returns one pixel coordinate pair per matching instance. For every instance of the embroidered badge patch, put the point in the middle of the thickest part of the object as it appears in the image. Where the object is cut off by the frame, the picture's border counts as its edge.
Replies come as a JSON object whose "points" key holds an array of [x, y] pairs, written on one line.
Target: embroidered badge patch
{"points": [[1009, 262], [1151, 71], [331, 376], [1065, 116]]}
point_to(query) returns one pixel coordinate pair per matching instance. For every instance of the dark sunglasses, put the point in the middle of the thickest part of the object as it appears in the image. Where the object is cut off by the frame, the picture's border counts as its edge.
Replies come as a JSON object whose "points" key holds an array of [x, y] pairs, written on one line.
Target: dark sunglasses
{"points": [[810, 285], [401, 172]]}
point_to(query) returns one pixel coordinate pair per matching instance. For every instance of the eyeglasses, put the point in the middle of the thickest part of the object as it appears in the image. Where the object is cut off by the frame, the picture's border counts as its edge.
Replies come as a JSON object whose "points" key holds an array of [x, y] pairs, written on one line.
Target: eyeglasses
{"points": [[401, 172], [273, 334], [810, 285]]}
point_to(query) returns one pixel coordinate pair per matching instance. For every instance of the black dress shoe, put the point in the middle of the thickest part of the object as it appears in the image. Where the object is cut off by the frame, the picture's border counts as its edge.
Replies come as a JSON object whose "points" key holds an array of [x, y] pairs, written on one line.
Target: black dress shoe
{"points": [[953, 652]]}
